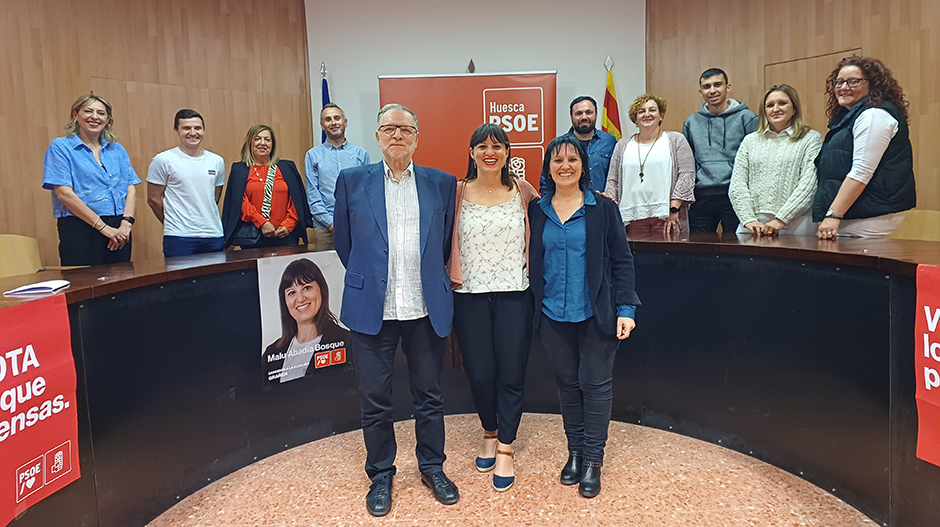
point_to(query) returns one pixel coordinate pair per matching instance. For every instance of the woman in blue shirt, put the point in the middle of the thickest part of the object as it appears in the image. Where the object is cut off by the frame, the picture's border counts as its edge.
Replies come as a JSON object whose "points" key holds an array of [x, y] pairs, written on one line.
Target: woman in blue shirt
{"points": [[93, 187], [581, 272]]}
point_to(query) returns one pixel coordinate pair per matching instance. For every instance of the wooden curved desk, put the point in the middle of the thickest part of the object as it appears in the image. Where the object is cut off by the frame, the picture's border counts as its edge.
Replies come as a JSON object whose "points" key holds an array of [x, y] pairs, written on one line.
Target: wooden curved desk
{"points": [[795, 351]]}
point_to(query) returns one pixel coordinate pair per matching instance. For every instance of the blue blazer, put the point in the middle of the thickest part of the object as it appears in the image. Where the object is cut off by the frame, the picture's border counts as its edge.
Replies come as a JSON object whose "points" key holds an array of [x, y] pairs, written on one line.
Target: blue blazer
{"points": [[360, 237], [609, 261]]}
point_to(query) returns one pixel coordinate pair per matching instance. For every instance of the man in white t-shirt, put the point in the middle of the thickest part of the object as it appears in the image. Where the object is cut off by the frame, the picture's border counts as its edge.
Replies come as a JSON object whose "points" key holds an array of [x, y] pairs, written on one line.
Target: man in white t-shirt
{"points": [[184, 185]]}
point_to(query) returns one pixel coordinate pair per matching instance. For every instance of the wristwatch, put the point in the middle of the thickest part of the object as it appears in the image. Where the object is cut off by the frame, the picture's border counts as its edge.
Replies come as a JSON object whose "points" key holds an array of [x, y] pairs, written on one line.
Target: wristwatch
{"points": [[832, 214], [673, 210], [130, 219]]}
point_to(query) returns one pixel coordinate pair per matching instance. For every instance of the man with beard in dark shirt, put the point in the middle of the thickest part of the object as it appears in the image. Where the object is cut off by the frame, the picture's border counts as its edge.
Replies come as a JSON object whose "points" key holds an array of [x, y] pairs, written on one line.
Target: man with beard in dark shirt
{"points": [[598, 144]]}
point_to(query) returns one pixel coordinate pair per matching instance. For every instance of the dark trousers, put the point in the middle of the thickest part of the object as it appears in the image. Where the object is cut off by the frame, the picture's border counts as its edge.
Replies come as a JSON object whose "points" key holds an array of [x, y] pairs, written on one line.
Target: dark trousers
{"points": [[710, 210], [495, 332], [185, 245], [375, 356], [583, 361], [82, 244]]}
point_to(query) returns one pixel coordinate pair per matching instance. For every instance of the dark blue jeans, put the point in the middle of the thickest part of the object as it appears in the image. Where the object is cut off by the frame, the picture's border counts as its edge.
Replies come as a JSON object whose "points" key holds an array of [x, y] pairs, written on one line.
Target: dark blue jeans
{"points": [[184, 245], [374, 363], [711, 209], [495, 333], [583, 361]]}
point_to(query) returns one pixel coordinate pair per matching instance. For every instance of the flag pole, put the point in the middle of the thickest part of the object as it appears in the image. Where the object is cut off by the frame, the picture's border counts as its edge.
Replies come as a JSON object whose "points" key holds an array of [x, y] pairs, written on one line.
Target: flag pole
{"points": [[610, 121], [325, 97]]}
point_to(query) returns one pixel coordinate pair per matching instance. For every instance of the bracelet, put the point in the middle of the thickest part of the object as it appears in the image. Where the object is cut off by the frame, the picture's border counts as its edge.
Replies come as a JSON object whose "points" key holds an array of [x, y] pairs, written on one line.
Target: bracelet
{"points": [[97, 219]]}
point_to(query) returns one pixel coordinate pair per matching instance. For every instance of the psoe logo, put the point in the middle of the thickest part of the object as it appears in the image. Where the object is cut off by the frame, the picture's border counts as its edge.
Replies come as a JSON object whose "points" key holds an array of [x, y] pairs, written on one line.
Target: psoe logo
{"points": [[58, 462], [323, 359], [517, 166], [519, 111], [29, 479]]}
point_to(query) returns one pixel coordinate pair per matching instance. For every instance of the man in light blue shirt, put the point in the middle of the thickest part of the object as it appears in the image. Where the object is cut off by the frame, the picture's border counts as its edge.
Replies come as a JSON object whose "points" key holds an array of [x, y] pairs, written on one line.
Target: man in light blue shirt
{"points": [[323, 163]]}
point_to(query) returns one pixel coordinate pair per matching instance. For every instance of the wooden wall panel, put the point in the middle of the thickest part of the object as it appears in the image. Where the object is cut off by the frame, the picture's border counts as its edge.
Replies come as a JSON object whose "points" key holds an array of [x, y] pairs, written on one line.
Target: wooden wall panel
{"points": [[751, 38], [238, 62], [804, 75]]}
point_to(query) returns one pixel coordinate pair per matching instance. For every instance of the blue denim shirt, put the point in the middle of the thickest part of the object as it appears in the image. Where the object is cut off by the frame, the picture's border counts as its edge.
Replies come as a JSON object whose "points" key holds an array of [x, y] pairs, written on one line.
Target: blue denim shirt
{"points": [[600, 149], [566, 297], [322, 166], [103, 187]]}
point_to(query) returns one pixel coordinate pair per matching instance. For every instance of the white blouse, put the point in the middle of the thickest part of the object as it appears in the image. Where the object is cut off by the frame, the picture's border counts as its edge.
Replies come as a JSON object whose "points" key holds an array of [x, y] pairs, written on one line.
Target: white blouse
{"points": [[492, 247], [648, 198]]}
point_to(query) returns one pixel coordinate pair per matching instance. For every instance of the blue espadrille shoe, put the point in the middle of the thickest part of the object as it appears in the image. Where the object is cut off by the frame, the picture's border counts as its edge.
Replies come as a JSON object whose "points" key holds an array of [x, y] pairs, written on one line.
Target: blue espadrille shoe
{"points": [[486, 464], [503, 483]]}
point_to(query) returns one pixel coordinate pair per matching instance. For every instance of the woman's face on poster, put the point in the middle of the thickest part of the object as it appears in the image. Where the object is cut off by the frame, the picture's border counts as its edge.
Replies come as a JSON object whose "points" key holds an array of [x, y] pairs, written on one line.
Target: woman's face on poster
{"points": [[303, 301]]}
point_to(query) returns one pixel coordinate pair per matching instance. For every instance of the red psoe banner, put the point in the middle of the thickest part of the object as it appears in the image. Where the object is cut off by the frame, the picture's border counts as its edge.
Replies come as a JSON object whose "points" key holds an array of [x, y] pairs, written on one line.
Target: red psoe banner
{"points": [[451, 107], [927, 363], [38, 415]]}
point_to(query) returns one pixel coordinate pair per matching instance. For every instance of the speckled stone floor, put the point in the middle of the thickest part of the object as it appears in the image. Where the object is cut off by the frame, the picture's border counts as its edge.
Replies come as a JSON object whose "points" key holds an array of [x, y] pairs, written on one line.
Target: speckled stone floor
{"points": [[650, 478]]}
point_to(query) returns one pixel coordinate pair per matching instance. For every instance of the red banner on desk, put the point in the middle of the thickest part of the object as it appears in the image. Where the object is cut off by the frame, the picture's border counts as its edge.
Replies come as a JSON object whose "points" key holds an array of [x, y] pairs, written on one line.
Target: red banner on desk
{"points": [[38, 416], [927, 363]]}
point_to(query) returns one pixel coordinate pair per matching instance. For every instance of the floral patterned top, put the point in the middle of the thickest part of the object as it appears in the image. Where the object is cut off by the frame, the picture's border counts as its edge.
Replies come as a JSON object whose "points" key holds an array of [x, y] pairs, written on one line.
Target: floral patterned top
{"points": [[492, 247]]}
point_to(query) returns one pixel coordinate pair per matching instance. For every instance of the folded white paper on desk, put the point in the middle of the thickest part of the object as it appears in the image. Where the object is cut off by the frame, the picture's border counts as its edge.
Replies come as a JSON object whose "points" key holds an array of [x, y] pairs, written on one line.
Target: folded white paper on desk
{"points": [[40, 288]]}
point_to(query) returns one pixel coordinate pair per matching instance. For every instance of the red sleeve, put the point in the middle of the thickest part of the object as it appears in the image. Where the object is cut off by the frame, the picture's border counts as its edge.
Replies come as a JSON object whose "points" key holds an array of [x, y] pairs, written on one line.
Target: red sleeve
{"points": [[250, 213], [290, 221]]}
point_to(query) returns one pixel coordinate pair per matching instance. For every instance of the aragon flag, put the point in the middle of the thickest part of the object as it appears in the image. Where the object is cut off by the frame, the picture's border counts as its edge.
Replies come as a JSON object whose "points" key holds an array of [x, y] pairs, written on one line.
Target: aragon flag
{"points": [[611, 120]]}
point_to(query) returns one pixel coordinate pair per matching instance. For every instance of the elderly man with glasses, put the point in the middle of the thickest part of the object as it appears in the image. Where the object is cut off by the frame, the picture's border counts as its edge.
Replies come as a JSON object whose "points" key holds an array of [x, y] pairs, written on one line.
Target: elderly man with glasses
{"points": [[393, 222]]}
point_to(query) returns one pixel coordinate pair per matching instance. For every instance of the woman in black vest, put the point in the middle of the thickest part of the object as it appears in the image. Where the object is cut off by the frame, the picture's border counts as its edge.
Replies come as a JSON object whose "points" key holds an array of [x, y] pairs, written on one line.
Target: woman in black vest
{"points": [[866, 165]]}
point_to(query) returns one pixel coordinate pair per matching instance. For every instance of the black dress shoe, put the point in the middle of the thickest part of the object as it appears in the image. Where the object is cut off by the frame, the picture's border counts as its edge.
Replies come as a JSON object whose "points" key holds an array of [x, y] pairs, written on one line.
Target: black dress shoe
{"points": [[444, 489], [571, 473], [379, 498], [591, 479]]}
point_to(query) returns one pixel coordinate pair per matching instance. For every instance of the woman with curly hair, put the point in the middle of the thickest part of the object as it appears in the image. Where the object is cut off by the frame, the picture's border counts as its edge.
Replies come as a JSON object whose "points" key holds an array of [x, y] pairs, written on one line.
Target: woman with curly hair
{"points": [[652, 173], [866, 166]]}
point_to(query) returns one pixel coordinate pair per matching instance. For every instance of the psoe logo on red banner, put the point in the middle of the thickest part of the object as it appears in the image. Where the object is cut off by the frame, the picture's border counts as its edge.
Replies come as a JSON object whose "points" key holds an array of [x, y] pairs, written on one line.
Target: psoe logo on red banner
{"points": [[29, 479], [519, 111], [322, 359], [526, 162], [338, 356], [58, 462]]}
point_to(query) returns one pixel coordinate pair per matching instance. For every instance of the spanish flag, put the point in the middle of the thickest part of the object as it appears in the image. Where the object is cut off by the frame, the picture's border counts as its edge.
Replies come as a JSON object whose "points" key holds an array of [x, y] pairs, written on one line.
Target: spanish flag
{"points": [[611, 120]]}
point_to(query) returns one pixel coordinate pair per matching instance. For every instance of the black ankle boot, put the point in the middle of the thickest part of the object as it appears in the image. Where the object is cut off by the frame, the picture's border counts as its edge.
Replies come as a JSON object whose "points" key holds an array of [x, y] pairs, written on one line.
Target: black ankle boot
{"points": [[590, 479], [571, 473]]}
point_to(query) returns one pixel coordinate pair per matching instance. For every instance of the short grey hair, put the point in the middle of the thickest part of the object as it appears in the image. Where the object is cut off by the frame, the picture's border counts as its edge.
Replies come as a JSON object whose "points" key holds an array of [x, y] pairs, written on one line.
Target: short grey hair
{"points": [[332, 105], [395, 106]]}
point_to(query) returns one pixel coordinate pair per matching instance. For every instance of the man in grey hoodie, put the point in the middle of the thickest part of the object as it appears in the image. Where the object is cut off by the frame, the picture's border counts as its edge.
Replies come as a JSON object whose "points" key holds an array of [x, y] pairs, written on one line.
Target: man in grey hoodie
{"points": [[715, 132]]}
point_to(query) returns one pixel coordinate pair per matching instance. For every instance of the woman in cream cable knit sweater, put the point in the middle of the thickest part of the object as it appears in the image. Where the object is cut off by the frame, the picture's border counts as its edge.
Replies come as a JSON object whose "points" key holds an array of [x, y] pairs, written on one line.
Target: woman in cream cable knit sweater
{"points": [[774, 178]]}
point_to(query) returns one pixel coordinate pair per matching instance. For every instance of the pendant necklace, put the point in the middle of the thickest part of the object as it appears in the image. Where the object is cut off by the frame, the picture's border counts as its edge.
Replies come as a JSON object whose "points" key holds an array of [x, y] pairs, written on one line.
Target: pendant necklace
{"points": [[639, 154]]}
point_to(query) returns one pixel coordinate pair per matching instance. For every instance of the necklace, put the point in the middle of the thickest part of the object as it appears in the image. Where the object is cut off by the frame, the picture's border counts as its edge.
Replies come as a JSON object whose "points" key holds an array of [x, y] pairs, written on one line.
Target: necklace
{"points": [[639, 155], [482, 187]]}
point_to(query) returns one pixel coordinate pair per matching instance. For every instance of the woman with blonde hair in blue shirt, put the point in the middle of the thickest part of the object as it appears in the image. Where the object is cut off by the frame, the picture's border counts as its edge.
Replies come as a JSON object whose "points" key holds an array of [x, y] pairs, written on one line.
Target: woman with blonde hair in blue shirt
{"points": [[93, 187]]}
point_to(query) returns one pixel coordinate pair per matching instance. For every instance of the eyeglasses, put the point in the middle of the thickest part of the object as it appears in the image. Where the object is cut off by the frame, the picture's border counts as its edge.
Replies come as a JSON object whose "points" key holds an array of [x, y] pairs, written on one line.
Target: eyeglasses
{"points": [[406, 130], [851, 83]]}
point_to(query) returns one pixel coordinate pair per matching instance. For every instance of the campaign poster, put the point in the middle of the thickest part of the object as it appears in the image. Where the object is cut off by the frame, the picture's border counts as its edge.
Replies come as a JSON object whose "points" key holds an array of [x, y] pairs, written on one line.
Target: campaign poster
{"points": [[451, 107], [38, 414], [927, 363], [301, 334]]}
